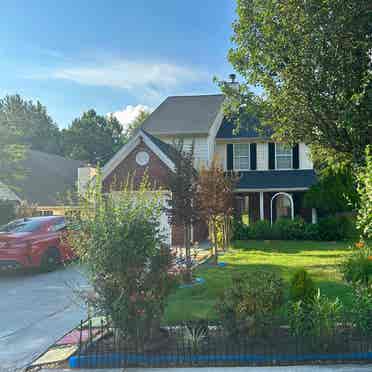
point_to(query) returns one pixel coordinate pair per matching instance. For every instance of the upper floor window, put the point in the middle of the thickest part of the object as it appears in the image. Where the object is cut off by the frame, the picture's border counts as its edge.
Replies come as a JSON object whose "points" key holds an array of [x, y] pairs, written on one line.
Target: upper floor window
{"points": [[283, 156], [241, 156]]}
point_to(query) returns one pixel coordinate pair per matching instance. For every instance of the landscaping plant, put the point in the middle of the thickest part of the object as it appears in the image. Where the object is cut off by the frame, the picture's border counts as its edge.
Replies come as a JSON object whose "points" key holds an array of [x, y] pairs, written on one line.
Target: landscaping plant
{"points": [[120, 243], [251, 299], [357, 267], [302, 287], [215, 201], [361, 309]]}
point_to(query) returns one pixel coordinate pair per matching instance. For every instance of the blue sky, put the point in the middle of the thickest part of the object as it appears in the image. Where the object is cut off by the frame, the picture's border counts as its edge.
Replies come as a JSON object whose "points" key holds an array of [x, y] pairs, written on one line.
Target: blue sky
{"points": [[108, 55]]}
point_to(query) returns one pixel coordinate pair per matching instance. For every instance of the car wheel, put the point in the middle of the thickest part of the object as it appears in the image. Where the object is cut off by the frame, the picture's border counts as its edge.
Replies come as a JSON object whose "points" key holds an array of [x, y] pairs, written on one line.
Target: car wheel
{"points": [[50, 259]]}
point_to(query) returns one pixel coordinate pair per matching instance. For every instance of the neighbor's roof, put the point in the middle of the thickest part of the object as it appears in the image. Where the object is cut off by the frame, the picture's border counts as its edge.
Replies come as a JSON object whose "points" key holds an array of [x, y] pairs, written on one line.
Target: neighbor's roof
{"points": [[46, 178], [277, 179], [184, 115]]}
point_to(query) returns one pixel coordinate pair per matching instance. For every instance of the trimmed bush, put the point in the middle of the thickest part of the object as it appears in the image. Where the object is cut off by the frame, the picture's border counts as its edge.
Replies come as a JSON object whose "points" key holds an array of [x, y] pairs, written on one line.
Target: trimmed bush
{"points": [[328, 229], [302, 286]]}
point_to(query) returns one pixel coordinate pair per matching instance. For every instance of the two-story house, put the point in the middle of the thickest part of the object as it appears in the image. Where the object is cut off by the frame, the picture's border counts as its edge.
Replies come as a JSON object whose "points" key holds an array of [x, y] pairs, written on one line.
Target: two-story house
{"points": [[272, 176]]}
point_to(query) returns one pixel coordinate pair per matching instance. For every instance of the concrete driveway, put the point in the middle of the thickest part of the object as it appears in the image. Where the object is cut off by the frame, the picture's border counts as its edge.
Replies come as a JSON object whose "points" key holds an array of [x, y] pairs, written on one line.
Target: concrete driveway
{"points": [[35, 310]]}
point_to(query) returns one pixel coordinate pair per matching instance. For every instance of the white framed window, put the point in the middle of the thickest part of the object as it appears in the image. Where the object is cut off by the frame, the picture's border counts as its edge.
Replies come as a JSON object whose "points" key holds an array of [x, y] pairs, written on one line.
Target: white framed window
{"points": [[283, 157], [241, 156]]}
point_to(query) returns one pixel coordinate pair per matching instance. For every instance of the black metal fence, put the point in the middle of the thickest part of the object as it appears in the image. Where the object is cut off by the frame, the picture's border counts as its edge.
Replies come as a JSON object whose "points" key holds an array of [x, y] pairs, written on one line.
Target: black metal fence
{"points": [[214, 344]]}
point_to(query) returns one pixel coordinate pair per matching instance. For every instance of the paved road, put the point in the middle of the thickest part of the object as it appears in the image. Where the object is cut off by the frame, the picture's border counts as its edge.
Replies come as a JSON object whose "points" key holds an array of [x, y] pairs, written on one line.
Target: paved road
{"points": [[35, 310]]}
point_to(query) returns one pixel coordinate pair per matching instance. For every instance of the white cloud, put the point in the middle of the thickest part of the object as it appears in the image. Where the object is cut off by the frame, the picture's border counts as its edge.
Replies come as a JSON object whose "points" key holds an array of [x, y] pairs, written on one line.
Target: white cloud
{"points": [[130, 75], [129, 114]]}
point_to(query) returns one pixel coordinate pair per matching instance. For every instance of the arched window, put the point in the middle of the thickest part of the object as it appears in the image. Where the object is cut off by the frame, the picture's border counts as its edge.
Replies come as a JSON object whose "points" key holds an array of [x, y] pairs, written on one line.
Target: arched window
{"points": [[281, 206]]}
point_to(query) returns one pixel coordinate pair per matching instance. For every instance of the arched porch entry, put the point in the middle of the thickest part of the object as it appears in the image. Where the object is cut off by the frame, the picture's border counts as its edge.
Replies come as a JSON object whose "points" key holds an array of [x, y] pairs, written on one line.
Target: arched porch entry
{"points": [[281, 206]]}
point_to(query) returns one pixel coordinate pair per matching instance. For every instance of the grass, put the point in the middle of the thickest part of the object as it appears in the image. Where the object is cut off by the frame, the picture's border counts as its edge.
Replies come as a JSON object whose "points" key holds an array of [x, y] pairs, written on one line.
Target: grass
{"points": [[321, 259]]}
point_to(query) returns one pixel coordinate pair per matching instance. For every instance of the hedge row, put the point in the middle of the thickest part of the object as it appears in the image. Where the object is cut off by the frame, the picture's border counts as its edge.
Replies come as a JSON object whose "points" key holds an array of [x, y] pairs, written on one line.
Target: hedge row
{"points": [[327, 229]]}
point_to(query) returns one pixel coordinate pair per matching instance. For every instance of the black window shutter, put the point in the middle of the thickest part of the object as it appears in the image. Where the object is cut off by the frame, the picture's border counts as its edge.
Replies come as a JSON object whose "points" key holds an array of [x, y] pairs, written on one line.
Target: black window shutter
{"points": [[296, 157], [229, 156], [271, 155], [253, 150]]}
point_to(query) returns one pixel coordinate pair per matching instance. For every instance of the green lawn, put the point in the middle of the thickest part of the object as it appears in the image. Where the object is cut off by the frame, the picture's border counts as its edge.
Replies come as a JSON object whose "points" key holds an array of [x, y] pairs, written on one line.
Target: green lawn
{"points": [[321, 259]]}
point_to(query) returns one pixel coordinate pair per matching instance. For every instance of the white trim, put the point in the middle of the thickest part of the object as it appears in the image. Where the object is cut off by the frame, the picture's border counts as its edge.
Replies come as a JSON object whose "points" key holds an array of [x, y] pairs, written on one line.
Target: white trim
{"points": [[290, 199], [277, 189], [211, 139], [262, 217], [314, 216], [129, 147]]}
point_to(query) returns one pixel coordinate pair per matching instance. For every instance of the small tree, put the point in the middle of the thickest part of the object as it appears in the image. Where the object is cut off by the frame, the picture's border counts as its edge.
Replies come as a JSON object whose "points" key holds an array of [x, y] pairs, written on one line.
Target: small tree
{"points": [[215, 200], [120, 243], [181, 207]]}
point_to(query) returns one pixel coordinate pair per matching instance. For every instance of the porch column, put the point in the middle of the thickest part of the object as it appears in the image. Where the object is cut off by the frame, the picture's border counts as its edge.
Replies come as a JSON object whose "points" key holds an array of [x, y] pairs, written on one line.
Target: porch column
{"points": [[314, 216], [262, 217]]}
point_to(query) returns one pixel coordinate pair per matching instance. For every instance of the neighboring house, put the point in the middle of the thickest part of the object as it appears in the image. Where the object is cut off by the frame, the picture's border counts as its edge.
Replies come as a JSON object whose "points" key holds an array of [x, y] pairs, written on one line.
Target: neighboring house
{"points": [[272, 177], [46, 181]]}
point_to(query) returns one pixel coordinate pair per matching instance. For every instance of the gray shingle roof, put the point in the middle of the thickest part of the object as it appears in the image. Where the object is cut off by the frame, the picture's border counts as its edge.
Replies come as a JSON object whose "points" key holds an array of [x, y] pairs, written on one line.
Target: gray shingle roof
{"points": [[184, 115], [47, 177], [280, 179], [250, 129]]}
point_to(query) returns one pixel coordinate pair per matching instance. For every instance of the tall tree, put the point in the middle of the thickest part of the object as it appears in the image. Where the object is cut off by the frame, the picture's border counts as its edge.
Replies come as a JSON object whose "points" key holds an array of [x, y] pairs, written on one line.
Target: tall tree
{"points": [[92, 138], [11, 148], [181, 210], [34, 127], [313, 60]]}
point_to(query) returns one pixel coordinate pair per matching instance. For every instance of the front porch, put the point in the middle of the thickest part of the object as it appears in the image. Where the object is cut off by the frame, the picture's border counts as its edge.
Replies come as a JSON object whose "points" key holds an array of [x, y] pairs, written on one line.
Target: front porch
{"points": [[253, 206]]}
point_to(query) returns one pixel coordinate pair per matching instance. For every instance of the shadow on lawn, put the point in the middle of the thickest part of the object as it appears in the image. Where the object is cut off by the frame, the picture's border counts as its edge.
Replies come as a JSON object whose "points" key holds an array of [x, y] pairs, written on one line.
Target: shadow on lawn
{"points": [[290, 246]]}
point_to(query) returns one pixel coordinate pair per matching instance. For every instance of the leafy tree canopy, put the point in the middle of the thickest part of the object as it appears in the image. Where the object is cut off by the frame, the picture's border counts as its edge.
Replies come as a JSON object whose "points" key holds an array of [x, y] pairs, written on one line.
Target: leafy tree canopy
{"points": [[92, 138], [136, 123], [313, 60], [31, 124]]}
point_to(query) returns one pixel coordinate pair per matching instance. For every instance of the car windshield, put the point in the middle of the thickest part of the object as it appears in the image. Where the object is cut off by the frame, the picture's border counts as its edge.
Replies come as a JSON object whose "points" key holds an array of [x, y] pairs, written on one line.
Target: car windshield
{"points": [[21, 226]]}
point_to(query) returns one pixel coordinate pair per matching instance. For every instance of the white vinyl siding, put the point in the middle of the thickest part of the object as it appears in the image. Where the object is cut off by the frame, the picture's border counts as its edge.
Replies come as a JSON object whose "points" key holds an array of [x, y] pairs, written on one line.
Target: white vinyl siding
{"points": [[200, 147], [241, 156], [283, 157], [262, 156], [304, 154]]}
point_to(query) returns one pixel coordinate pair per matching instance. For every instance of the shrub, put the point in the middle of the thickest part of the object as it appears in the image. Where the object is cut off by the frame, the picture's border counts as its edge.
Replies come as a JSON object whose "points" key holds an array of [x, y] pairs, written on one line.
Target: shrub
{"points": [[260, 230], [302, 286], [317, 318], [287, 229], [362, 309], [336, 228], [311, 231], [249, 300], [357, 268], [120, 244], [7, 211]]}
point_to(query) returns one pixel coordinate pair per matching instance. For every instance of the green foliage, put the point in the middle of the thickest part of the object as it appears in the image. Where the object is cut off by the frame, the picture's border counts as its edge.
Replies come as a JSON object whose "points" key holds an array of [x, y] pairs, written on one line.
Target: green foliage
{"points": [[362, 309], [364, 218], [7, 211], [334, 192], [260, 230], [286, 229], [357, 267], [135, 124], [121, 245], [336, 228], [252, 297], [92, 138], [302, 286], [194, 337], [313, 61], [34, 127], [318, 317]]}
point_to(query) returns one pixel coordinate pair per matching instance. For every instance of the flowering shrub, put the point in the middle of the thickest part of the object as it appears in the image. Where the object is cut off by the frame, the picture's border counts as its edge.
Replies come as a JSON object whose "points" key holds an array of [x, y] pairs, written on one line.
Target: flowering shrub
{"points": [[357, 268], [120, 243]]}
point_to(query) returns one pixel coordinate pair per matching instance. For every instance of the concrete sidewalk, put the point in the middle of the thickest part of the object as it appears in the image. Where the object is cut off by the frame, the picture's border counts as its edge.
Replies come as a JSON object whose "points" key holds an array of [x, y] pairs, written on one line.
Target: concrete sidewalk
{"points": [[328, 368]]}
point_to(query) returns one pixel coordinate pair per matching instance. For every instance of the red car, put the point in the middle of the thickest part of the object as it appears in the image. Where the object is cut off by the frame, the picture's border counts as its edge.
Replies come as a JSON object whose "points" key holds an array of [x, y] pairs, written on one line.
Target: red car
{"points": [[34, 242]]}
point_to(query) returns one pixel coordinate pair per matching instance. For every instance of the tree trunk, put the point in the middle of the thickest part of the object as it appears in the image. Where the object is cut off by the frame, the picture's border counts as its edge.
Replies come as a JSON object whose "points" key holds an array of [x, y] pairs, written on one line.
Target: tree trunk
{"points": [[215, 255], [188, 274]]}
